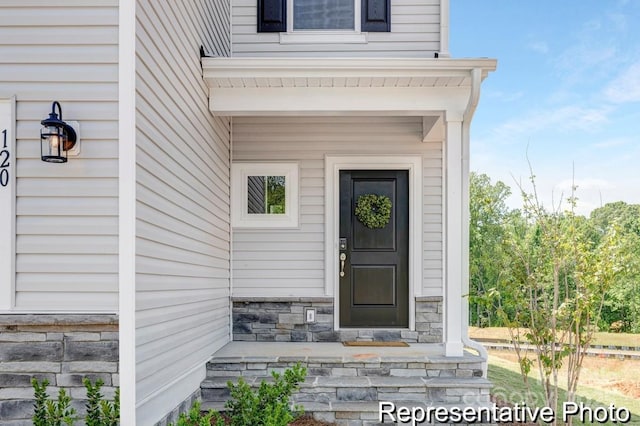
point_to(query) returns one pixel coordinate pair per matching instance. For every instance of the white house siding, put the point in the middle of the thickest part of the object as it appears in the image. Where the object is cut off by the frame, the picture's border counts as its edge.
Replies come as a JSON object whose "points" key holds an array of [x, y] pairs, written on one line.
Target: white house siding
{"points": [[182, 210], [415, 32], [66, 225], [280, 262]]}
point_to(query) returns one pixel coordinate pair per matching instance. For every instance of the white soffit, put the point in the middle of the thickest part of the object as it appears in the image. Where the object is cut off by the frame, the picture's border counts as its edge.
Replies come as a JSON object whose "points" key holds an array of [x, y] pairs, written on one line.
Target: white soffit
{"points": [[304, 86]]}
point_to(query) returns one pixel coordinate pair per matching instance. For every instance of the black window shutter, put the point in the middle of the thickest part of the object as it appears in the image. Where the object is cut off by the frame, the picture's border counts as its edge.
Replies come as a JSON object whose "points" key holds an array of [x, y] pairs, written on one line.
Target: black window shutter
{"points": [[376, 15], [272, 16]]}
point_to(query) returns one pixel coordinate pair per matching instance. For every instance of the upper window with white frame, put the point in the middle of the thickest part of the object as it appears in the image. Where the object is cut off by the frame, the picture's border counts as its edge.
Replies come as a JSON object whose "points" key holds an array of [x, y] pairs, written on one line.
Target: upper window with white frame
{"points": [[264, 195], [324, 15]]}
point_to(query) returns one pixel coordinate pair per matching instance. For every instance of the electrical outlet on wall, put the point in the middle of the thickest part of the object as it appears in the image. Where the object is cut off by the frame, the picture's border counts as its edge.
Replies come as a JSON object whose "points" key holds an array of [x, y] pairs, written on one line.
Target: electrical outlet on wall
{"points": [[310, 315]]}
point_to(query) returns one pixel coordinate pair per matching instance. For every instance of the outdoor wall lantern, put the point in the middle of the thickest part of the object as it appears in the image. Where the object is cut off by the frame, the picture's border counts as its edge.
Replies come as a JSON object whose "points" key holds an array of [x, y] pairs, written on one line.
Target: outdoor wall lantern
{"points": [[56, 137]]}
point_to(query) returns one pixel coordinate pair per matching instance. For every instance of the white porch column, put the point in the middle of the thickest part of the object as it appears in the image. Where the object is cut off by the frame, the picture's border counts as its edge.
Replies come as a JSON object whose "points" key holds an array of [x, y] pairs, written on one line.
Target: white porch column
{"points": [[453, 236], [127, 210]]}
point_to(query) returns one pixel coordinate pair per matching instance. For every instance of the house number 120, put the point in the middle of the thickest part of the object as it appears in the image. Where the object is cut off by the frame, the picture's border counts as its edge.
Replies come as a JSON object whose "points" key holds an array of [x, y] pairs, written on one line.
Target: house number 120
{"points": [[4, 161]]}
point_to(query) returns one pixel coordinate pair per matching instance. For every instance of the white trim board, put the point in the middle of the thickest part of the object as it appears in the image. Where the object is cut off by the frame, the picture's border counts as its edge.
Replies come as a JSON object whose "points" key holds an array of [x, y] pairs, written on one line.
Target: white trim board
{"points": [[310, 37], [127, 210], [333, 165], [8, 203]]}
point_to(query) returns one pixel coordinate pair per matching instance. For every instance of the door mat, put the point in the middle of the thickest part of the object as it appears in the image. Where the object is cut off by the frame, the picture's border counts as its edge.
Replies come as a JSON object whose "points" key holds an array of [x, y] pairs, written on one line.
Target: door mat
{"points": [[396, 344]]}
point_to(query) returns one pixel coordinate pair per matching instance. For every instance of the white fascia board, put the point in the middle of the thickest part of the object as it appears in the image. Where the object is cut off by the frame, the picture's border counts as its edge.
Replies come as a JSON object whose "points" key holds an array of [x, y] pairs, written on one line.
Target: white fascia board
{"points": [[263, 95], [336, 101], [339, 67]]}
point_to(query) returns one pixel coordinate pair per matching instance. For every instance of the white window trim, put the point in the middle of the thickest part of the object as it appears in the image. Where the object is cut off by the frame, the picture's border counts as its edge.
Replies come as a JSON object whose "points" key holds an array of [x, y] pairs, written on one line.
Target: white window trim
{"points": [[323, 37], [240, 218], [333, 165], [354, 36]]}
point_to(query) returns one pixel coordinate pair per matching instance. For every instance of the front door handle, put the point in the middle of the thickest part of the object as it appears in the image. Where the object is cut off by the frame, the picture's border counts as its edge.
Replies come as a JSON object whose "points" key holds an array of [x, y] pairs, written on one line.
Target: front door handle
{"points": [[343, 257]]}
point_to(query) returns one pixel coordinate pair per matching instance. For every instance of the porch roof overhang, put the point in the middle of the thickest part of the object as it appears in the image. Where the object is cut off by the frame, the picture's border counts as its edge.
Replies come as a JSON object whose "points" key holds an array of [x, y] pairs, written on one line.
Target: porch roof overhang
{"points": [[335, 86]]}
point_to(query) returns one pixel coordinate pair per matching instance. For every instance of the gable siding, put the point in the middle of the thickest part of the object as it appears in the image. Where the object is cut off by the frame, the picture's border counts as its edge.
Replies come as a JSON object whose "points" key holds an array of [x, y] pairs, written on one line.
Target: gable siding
{"points": [[66, 225], [415, 32], [284, 262], [182, 210]]}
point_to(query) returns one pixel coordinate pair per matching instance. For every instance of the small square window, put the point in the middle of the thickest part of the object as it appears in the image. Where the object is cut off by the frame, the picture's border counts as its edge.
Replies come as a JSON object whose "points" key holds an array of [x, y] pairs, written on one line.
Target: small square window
{"points": [[264, 195]]}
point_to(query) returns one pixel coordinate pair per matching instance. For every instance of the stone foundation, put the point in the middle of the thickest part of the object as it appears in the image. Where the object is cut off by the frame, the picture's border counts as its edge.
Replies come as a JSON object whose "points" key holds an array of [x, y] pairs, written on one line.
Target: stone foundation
{"points": [[60, 348], [283, 320]]}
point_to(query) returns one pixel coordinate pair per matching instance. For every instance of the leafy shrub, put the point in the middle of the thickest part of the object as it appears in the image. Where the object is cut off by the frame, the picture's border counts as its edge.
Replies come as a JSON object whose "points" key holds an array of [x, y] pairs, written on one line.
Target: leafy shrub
{"points": [[267, 406], [101, 412], [196, 418], [49, 412]]}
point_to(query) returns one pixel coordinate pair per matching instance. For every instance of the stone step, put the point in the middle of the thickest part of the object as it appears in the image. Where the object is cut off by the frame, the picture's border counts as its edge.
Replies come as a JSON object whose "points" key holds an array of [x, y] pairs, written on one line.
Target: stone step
{"points": [[342, 413], [345, 384], [364, 382], [365, 413], [328, 390], [355, 401], [339, 406], [460, 368]]}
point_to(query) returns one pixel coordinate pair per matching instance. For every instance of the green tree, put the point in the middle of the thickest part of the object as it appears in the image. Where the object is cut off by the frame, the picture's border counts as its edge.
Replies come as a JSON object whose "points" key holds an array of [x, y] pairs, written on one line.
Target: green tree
{"points": [[627, 216], [276, 194], [621, 311], [488, 213], [552, 289]]}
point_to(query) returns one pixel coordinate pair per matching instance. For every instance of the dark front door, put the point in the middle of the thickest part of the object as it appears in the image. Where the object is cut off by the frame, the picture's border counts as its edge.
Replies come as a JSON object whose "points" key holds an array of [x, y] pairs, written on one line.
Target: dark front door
{"points": [[374, 285]]}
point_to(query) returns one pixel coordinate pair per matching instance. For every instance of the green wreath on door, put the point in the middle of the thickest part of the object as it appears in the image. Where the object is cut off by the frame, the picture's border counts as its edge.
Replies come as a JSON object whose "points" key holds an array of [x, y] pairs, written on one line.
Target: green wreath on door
{"points": [[373, 211]]}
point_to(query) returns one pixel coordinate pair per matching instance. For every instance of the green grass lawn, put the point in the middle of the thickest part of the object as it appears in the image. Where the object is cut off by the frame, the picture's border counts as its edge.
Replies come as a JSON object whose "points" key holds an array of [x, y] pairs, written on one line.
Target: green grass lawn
{"points": [[508, 386]]}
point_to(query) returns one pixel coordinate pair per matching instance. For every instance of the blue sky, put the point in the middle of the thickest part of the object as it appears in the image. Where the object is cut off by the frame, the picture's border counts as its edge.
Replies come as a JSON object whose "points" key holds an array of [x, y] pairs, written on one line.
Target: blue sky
{"points": [[566, 91]]}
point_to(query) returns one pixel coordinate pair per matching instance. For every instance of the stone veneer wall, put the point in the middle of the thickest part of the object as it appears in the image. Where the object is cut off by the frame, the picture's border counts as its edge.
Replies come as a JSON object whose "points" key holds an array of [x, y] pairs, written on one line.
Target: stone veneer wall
{"points": [[283, 320], [60, 348]]}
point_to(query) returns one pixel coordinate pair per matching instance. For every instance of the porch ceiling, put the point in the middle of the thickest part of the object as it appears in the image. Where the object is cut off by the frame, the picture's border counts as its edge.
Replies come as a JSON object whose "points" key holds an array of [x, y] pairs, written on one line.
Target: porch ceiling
{"points": [[279, 86]]}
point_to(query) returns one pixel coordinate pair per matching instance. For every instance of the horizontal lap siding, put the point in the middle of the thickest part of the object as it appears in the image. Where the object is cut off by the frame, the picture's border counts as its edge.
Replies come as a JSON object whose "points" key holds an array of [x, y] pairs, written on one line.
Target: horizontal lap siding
{"points": [[432, 278], [415, 32], [182, 192], [66, 225], [283, 262]]}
